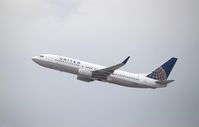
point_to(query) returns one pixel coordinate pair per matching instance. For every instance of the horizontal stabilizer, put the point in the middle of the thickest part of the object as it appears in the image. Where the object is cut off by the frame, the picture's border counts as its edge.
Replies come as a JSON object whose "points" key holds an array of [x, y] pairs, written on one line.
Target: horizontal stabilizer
{"points": [[164, 82]]}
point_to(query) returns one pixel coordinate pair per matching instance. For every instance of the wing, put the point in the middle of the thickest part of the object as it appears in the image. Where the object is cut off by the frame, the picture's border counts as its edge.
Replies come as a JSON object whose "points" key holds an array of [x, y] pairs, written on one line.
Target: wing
{"points": [[103, 73]]}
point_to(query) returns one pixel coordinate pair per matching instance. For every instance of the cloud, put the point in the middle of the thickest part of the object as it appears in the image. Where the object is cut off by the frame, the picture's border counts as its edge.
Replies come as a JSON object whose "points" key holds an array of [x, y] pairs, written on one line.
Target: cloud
{"points": [[102, 32]]}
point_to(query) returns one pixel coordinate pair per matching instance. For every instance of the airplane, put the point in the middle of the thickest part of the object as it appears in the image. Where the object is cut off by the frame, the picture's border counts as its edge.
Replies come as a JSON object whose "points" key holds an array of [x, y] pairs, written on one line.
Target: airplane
{"points": [[89, 72]]}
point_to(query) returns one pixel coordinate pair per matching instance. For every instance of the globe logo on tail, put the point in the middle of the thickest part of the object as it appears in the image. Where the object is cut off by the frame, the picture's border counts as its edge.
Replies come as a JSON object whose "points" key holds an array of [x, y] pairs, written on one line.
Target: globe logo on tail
{"points": [[158, 74]]}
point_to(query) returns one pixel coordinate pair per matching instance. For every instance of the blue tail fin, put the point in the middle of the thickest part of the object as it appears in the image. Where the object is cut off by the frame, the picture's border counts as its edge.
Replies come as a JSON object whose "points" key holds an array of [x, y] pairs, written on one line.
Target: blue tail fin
{"points": [[162, 73]]}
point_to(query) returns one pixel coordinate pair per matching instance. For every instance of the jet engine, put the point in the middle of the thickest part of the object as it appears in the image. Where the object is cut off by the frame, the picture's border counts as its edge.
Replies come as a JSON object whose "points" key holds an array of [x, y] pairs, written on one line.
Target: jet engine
{"points": [[84, 75]]}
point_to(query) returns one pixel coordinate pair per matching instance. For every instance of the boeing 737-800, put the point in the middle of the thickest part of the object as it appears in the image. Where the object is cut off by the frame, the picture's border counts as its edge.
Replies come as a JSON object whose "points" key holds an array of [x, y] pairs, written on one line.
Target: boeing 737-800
{"points": [[89, 72]]}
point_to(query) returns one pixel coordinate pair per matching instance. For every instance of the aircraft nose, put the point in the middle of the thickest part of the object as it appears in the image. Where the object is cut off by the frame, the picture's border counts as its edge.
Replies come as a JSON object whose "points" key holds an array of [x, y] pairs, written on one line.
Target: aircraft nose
{"points": [[34, 58]]}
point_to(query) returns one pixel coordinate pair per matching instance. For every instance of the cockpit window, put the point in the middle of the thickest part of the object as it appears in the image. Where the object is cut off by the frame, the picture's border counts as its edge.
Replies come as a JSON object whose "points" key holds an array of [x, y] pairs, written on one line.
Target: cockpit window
{"points": [[41, 56]]}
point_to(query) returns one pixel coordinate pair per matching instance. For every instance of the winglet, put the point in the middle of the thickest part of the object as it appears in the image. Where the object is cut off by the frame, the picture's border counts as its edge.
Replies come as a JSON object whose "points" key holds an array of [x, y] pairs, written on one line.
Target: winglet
{"points": [[125, 61]]}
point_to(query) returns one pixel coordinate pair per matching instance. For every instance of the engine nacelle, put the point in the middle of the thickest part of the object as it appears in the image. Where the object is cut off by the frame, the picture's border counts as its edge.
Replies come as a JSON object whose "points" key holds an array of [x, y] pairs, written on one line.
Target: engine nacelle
{"points": [[84, 75]]}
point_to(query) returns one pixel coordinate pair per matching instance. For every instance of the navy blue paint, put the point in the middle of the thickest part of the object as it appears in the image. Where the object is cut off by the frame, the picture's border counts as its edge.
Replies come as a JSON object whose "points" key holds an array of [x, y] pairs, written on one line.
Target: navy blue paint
{"points": [[124, 62], [168, 66]]}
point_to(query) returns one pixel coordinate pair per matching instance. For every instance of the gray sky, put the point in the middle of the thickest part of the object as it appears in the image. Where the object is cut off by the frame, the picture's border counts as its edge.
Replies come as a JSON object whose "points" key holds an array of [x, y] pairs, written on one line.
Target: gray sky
{"points": [[103, 32]]}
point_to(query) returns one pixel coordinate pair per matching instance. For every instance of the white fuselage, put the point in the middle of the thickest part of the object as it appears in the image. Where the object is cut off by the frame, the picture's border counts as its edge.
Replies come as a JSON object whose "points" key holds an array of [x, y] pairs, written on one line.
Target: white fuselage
{"points": [[74, 66]]}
